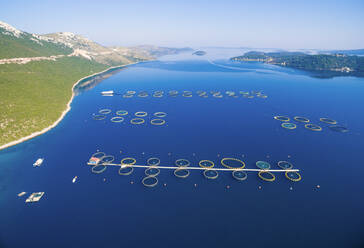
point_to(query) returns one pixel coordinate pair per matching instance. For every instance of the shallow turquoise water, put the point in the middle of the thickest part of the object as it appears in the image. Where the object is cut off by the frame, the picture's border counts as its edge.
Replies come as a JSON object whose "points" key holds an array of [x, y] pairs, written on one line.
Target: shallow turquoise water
{"points": [[116, 213]]}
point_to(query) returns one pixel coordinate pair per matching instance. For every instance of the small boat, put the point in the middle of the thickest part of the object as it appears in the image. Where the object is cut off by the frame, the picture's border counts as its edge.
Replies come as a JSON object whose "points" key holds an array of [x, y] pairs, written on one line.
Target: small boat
{"points": [[22, 193], [38, 162], [36, 196], [108, 92], [74, 179]]}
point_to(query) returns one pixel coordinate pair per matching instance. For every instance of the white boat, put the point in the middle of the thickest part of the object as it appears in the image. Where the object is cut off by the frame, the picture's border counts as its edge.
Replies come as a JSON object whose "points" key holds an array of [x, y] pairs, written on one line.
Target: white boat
{"points": [[74, 179], [22, 193], [36, 196], [108, 92], [38, 162]]}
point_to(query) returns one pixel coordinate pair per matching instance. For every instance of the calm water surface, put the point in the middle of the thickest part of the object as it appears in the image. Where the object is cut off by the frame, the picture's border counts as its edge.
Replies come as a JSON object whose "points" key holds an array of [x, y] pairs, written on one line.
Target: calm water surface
{"points": [[115, 213]]}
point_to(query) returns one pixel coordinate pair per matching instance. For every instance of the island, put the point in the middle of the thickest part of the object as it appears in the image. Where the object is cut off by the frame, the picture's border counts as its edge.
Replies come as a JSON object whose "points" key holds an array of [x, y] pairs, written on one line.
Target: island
{"points": [[336, 64], [199, 53], [38, 75]]}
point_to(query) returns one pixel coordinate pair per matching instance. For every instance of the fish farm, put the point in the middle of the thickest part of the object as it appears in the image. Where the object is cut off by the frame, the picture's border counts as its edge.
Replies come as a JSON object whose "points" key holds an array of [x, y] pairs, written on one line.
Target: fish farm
{"points": [[182, 168]]}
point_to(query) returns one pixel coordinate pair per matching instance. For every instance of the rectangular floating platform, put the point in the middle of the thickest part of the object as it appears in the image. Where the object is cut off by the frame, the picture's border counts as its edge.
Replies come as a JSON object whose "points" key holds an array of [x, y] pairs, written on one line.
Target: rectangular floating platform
{"points": [[36, 196]]}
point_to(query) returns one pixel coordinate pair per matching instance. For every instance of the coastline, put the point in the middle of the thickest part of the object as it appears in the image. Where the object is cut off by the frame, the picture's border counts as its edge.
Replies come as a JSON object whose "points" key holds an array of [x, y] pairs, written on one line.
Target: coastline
{"points": [[68, 108]]}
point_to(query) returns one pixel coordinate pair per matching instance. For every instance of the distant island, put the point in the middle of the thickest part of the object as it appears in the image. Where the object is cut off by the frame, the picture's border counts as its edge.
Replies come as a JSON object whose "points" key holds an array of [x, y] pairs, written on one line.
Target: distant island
{"points": [[336, 64], [39, 72], [199, 53]]}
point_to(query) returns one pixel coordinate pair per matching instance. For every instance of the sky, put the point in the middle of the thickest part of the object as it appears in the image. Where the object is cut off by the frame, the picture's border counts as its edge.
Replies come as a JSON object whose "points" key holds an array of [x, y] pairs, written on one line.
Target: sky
{"points": [[294, 24]]}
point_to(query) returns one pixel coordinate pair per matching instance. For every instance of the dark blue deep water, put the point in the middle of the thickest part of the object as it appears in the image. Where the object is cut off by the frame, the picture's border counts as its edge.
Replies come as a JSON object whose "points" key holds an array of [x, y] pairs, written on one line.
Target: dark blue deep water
{"points": [[252, 213]]}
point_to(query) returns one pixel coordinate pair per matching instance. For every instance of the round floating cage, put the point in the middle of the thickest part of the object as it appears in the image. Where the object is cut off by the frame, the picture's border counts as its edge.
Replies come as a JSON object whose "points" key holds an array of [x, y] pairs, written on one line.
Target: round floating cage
{"points": [[105, 111], [122, 112], [217, 95], [181, 173], [98, 117], [313, 127], [150, 181], [98, 155], [158, 92], [141, 114], [137, 121], [160, 114], [285, 165], [339, 129], [282, 118], [328, 121], [131, 92], [128, 95], [288, 125], [187, 94], [152, 172], [301, 119], [143, 94], [128, 161], [98, 169], [182, 162], [293, 176], [153, 161], [262, 96], [206, 164], [117, 119], [125, 170], [157, 95], [210, 174], [263, 165], [267, 176], [173, 93], [240, 175], [232, 163], [107, 159], [157, 122]]}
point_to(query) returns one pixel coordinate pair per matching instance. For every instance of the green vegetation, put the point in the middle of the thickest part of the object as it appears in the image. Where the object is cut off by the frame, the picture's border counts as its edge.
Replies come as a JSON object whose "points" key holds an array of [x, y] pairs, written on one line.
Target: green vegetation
{"points": [[340, 63], [33, 95], [28, 46]]}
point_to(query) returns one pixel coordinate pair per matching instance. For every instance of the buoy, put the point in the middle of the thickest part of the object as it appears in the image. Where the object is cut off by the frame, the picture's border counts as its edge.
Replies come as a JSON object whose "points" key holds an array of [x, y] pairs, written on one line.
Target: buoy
{"points": [[195, 185], [131, 182], [260, 187], [291, 188], [318, 186], [104, 179], [165, 185], [228, 186]]}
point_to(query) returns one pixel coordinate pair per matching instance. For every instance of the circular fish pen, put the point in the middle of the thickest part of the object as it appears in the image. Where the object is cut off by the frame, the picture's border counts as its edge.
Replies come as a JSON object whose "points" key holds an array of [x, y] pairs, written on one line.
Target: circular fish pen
{"points": [[98, 155], [339, 129], [105, 111], [98, 169], [173, 93], [182, 162], [141, 114], [122, 112], [240, 175], [313, 127], [150, 181], [328, 121], [128, 161], [117, 119], [99, 117], [187, 94], [206, 164], [282, 118], [181, 173], [131, 92], [285, 165], [152, 172], [137, 121], [263, 165], [157, 95], [143, 94], [232, 163], [153, 161], [157, 122], [267, 176], [217, 95], [128, 95], [210, 174], [107, 159], [160, 114], [301, 119], [293, 176], [125, 170], [288, 125]]}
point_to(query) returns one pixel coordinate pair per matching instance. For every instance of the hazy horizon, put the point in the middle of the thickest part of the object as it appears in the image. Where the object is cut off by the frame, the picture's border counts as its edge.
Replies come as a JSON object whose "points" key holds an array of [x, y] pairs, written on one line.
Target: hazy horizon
{"points": [[235, 24]]}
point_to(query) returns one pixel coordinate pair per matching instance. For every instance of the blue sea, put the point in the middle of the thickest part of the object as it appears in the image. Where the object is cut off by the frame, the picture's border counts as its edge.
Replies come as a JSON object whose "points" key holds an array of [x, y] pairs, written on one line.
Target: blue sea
{"points": [[324, 209]]}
